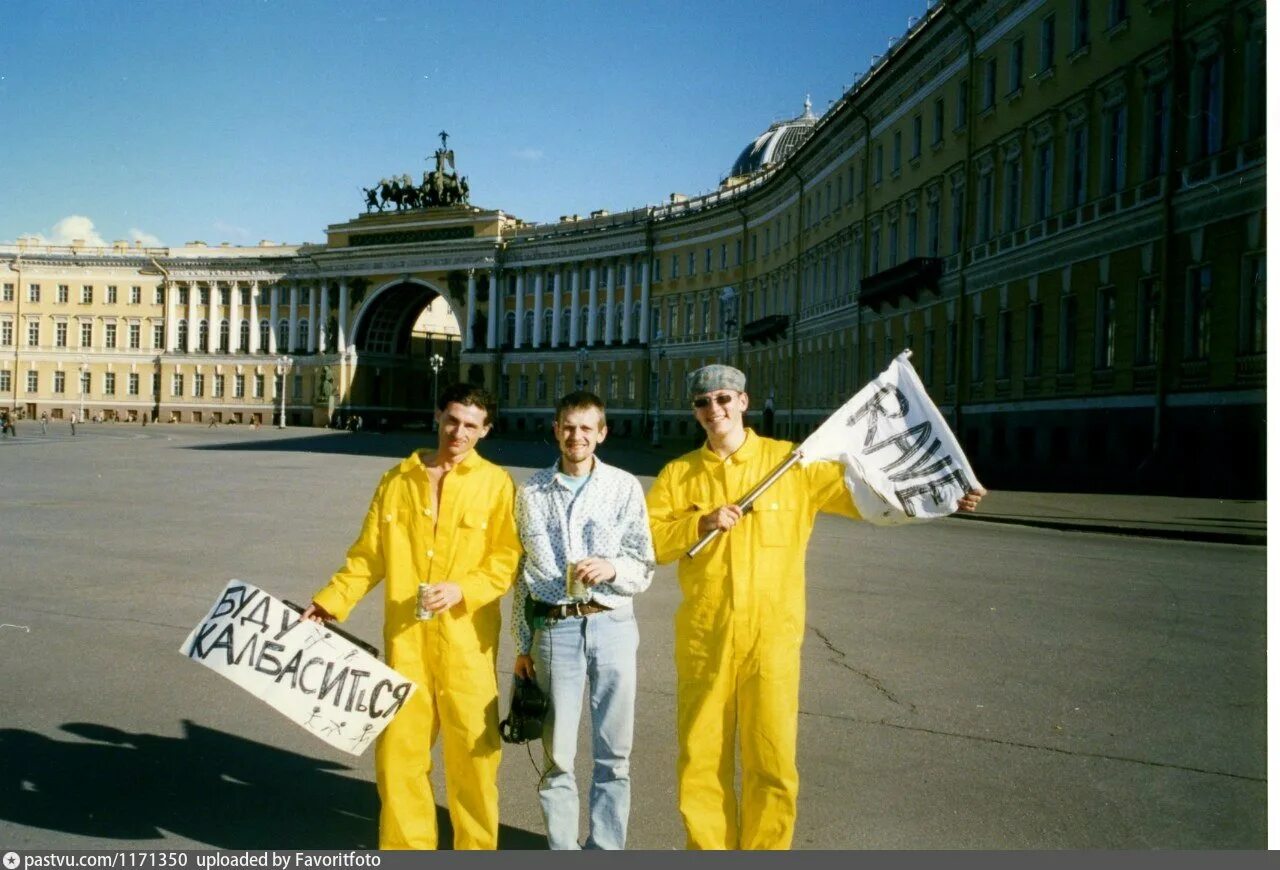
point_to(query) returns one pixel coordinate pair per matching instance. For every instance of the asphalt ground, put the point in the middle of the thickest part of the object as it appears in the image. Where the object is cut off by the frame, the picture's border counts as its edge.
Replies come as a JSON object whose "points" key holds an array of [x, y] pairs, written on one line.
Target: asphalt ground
{"points": [[996, 685]]}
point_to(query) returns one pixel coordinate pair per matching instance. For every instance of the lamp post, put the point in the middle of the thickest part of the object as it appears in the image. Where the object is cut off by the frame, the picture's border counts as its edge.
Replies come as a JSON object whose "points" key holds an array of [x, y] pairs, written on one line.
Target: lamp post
{"points": [[436, 362], [583, 353], [728, 318], [84, 368], [656, 353], [283, 364]]}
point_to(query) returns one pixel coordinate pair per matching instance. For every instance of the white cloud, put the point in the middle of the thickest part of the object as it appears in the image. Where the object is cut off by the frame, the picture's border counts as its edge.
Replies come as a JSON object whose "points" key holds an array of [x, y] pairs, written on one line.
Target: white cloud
{"points": [[225, 229], [530, 154], [77, 227]]}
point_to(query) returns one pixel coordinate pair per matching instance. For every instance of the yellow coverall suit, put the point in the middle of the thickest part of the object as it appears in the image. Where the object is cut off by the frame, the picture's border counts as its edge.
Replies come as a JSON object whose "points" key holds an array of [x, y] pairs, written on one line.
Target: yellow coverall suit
{"points": [[739, 628], [453, 657]]}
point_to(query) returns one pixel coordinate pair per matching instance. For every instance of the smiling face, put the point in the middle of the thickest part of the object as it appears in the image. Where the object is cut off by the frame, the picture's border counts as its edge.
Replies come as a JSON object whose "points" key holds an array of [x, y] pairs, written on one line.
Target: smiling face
{"points": [[461, 426], [578, 431], [719, 412]]}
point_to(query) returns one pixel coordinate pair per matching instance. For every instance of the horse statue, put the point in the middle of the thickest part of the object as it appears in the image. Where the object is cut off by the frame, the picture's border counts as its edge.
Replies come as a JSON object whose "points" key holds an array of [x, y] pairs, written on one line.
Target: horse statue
{"points": [[464, 190], [371, 199]]}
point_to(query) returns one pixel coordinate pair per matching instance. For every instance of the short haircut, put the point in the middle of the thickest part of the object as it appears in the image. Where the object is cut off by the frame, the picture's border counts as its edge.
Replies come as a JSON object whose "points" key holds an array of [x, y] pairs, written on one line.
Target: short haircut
{"points": [[580, 400], [469, 394]]}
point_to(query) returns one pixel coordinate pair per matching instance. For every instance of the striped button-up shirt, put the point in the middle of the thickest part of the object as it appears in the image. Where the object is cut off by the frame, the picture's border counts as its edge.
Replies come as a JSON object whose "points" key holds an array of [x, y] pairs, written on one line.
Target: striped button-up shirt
{"points": [[606, 518]]}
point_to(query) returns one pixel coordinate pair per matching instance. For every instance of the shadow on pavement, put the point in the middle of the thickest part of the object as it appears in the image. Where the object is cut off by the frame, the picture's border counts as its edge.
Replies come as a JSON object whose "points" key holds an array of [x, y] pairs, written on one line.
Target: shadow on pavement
{"points": [[207, 786]]}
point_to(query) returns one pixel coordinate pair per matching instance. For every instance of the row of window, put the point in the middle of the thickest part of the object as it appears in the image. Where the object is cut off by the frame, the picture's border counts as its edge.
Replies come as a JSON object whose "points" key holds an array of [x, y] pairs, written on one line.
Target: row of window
{"points": [[132, 383], [63, 294], [133, 336]]}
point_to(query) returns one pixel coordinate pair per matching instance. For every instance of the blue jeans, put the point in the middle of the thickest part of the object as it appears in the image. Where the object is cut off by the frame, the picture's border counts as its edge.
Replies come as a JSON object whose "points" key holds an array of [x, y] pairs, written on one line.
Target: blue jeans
{"points": [[598, 650]]}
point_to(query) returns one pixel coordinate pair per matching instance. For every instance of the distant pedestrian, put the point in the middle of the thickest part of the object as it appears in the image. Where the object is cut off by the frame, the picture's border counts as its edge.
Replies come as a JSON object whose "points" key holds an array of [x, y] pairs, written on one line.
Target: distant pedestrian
{"points": [[73, 422], [44, 423], [6, 424], [213, 422]]}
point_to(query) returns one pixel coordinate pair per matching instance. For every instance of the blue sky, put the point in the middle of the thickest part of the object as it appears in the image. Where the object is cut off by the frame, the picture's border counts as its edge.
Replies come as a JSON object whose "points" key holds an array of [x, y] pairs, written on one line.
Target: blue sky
{"points": [[241, 120]]}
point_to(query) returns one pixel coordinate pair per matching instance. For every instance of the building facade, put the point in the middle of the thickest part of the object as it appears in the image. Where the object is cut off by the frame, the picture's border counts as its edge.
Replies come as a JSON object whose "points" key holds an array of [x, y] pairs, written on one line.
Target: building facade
{"points": [[1057, 205]]}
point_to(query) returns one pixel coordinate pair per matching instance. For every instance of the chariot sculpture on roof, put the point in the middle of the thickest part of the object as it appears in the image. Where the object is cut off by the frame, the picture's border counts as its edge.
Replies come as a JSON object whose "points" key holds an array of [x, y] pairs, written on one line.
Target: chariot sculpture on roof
{"points": [[441, 187]]}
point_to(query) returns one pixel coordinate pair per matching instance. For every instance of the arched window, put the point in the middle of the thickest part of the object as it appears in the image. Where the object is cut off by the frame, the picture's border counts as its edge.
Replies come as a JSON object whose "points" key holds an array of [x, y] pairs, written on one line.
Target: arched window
{"points": [[244, 336], [566, 318], [264, 336], [182, 335], [510, 328], [304, 331], [224, 336], [204, 336], [282, 335], [528, 327]]}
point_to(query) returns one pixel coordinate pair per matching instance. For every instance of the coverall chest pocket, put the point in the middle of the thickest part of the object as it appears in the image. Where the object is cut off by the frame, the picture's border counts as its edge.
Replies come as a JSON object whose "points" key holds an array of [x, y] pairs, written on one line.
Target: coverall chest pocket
{"points": [[774, 523], [473, 524]]}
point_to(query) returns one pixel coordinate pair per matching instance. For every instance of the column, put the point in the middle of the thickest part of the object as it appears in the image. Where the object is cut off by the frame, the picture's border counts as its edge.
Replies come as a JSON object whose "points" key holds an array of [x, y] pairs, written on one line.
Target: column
{"points": [[593, 299], [273, 332], [519, 342], [537, 309], [293, 317], [313, 334], [468, 342], [193, 316], [645, 326], [627, 325], [255, 334], [575, 302], [555, 309], [170, 317], [344, 304], [495, 310], [610, 313], [233, 316]]}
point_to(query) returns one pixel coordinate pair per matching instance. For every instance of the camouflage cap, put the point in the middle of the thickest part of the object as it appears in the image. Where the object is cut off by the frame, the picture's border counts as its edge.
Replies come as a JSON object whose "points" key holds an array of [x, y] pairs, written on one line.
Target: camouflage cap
{"points": [[716, 377]]}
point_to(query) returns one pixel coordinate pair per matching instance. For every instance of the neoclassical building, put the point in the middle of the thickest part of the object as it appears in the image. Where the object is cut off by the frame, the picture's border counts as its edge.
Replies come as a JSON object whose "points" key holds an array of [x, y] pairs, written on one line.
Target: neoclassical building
{"points": [[1057, 205]]}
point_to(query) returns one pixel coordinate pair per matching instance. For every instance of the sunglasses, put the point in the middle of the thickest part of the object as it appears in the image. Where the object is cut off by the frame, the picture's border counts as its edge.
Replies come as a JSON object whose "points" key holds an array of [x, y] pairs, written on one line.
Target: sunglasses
{"points": [[705, 401]]}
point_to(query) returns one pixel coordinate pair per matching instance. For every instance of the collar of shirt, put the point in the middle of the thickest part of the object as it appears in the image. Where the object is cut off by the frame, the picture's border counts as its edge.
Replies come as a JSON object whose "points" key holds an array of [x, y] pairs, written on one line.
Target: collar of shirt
{"points": [[745, 453], [418, 461]]}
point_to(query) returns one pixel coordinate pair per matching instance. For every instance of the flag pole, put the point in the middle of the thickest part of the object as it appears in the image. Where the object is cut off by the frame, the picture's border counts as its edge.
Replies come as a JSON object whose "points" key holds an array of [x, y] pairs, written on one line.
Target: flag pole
{"points": [[746, 501]]}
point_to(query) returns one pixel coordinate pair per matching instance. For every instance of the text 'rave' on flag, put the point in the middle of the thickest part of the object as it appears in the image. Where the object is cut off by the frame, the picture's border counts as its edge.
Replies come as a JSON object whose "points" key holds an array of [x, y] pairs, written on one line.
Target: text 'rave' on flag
{"points": [[321, 681], [901, 461]]}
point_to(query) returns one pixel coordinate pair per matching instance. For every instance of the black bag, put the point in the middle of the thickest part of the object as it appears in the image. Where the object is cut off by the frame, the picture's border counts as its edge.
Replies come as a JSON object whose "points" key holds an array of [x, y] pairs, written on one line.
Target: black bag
{"points": [[528, 709]]}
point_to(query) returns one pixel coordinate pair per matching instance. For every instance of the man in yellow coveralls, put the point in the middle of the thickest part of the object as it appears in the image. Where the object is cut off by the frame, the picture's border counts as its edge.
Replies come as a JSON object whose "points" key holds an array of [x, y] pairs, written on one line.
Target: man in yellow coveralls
{"points": [[740, 623], [443, 518]]}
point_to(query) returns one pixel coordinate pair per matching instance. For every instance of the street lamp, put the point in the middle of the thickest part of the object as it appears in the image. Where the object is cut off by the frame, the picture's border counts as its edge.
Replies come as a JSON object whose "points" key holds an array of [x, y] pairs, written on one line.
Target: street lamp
{"points": [[436, 362], [656, 353], [583, 353], [728, 317], [84, 367], [283, 364]]}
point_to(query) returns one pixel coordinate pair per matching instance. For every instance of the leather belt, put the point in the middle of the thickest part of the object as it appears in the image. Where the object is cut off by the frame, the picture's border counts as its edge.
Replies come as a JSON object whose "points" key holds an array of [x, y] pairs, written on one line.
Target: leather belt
{"points": [[564, 611]]}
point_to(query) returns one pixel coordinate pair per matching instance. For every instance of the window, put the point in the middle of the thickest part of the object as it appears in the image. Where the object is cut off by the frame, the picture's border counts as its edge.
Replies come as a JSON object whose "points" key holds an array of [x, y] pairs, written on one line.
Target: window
{"points": [[85, 381], [33, 333], [304, 332], [33, 293], [1117, 13], [1199, 298], [707, 261], [1035, 338], [155, 385], [675, 266], [7, 294], [1157, 130], [60, 334], [204, 337], [135, 383], [224, 295], [1104, 329], [175, 385], [135, 295], [1148, 321], [238, 386], [933, 217], [197, 385], [204, 295], [182, 336], [1012, 193], [1080, 33], [875, 250], [657, 269], [219, 386], [1048, 30], [724, 255], [243, 346], [157, 336], [957, 218], [109, 335], [59, 382], [244, 295], [6, 381], [64, 294], [688, 316], [1253, 333], [1004, 343], [6, 333], [1255, 73], [282, 334], [939, 114], [111, 294], [86, 295], [692, 264], [952, 340], [1015, 65], [897, 152], [913, 235], [1206, 128], [962, 104], [986, 205], [877, 168], [264, 336], [979, 349], [989, 84], [159, 296], [893, 241], [86, 334], [1077, 168], [109, 384], [259, 385], [1113, 175], [1067, 333], [33, 382]]}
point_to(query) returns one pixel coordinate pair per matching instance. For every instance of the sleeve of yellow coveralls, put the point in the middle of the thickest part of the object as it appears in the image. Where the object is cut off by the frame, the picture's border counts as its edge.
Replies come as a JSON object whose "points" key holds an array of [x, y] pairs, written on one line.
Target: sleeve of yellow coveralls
{"points": [[674, 527], [364, 568], [501, 559], [828, 492]]}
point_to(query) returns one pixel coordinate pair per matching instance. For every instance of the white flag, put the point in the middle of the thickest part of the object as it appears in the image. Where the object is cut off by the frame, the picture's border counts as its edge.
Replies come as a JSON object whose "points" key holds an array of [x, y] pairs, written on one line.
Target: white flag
{"points": [[901, 462]]}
